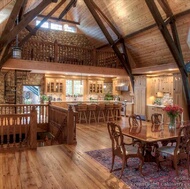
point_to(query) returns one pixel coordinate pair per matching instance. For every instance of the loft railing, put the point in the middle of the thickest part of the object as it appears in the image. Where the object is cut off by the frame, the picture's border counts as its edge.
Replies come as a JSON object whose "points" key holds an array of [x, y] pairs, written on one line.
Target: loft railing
{"points": [[55, 52]]}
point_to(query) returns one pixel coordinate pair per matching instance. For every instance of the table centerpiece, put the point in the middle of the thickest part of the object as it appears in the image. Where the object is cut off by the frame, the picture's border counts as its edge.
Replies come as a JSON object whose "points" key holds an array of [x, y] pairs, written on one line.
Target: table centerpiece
{"points": [[173, 111]]}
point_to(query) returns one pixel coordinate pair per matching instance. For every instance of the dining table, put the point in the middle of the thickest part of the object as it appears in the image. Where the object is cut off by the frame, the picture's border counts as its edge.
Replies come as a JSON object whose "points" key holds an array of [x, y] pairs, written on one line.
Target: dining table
{"points": [[150, 137]]}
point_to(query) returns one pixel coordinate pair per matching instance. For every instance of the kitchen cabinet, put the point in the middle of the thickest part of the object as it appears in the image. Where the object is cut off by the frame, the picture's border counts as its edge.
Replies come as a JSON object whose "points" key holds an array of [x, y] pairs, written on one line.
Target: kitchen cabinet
{"points": [[115, 84], [54, 85], [162, 84], [178, 94], [95, 86], [140, 96]]}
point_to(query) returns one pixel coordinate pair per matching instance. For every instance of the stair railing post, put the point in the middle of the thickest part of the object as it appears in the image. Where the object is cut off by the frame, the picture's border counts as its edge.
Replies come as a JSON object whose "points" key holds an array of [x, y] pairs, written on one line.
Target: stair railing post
{"points": [[33, 129]]}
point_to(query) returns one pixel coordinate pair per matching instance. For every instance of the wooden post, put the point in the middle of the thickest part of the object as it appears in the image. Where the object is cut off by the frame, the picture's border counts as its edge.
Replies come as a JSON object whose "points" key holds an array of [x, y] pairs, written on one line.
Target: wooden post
{"points": [[71, 127], [33, 129], [55, 51]]}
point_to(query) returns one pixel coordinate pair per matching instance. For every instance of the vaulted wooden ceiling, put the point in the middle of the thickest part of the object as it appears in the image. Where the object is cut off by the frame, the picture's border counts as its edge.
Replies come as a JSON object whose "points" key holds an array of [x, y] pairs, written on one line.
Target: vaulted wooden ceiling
{"points": [[131, 18]]}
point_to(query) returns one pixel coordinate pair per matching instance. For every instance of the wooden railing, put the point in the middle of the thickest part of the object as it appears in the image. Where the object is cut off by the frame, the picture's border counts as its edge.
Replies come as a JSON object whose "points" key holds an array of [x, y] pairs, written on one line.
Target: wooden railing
{"points": [[19, 124], [42, 111], [18, 131], [55, 52], [62, 124]]}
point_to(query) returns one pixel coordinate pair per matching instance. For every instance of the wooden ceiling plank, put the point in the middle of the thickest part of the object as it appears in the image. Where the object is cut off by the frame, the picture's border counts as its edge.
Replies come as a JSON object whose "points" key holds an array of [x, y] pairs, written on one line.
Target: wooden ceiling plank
{"points": [[148, 28], [67, 8], [124, 60], [107, 21], [173, 48], [60, 20], [23, 23]]}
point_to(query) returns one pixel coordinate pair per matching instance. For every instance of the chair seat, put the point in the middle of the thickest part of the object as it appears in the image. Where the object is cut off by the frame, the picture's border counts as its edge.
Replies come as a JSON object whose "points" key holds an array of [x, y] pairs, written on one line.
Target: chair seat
{"points": [[167, 150]]}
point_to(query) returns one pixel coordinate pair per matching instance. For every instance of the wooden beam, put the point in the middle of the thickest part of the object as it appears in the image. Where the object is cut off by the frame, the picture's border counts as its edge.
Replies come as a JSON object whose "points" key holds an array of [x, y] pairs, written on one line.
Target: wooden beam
{"points": [[23, 23], [106, 20], [147, 28], [124, 61], [173, 46], [22, 10], [60, 20], [67, 8], [33, 31], [12, 17]]}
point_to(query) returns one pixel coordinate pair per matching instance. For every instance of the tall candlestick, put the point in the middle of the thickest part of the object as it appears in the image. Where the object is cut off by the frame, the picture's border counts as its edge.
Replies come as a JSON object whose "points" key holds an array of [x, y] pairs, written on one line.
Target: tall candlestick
{"points": [[182, 117], [162, 119]]}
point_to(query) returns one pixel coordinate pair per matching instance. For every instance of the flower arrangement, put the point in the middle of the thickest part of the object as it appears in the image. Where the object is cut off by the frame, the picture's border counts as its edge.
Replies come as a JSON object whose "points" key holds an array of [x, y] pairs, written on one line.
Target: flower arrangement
{"points": [[173, 111]]}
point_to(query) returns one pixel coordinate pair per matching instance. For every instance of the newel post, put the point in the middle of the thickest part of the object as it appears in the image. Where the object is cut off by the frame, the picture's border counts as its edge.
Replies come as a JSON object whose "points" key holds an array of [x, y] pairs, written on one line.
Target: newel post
{"points": [[71, 127], [55, 51], [33, 129]]}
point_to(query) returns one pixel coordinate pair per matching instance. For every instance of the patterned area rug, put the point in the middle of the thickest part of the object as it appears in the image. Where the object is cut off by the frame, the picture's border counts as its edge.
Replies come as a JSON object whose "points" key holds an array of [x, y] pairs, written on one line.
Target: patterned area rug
{"points": [[153, 179]]}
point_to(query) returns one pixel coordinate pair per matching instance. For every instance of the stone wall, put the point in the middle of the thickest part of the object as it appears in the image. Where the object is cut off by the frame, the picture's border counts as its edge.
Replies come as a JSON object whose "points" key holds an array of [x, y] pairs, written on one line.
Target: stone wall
{"points": [[31, 79], [62, 37]]}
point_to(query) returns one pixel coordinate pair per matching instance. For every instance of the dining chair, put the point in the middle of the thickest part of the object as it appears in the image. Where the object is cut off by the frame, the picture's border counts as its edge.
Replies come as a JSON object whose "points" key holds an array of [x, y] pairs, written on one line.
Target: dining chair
{"points": [[135, 124], [156, 120], [122, 149], [135, 121], [177, 152]]}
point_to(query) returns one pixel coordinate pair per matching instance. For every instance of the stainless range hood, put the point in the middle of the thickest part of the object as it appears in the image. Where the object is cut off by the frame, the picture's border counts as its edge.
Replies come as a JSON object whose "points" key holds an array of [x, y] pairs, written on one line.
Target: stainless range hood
{"points": [[122, 88]]}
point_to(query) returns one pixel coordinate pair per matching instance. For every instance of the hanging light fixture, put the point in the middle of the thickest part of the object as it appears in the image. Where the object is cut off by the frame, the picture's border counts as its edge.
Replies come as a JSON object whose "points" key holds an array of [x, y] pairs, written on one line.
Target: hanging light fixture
{"points": [[16, 49]]}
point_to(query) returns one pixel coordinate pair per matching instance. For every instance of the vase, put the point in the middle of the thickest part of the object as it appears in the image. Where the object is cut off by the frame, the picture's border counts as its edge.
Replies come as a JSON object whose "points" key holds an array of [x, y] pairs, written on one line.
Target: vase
{"points": [[172, 123]]}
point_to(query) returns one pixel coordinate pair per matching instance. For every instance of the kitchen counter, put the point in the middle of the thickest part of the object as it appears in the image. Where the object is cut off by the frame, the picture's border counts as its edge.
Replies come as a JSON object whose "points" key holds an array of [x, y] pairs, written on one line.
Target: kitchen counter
{"points": [[156, 105]]}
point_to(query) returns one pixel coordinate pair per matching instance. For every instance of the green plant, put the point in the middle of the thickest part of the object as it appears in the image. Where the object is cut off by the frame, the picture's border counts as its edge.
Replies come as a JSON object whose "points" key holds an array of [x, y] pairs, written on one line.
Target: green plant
{"points": [[44, 97]]}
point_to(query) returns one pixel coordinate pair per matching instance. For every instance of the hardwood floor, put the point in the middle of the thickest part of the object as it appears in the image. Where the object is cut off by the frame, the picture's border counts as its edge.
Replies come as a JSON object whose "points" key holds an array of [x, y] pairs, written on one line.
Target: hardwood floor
{"points": [[61, 166]]}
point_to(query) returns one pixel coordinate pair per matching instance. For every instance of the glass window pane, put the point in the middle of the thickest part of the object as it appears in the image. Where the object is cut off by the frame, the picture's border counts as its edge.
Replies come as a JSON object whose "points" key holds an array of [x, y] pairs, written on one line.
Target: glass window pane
{"points": [[56, 26], [44, 25], [69, 88], [78, 87]]}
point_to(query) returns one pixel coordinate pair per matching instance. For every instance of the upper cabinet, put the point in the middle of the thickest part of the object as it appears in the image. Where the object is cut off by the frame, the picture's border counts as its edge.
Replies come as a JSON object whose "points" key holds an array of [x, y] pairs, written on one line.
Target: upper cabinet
{"points": [[54, 85], [158, 84], [95, 86]]}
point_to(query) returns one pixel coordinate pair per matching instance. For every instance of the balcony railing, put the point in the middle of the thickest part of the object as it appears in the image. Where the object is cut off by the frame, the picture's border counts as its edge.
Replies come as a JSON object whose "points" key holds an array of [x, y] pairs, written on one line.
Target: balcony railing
{"points": [[55, 52]]}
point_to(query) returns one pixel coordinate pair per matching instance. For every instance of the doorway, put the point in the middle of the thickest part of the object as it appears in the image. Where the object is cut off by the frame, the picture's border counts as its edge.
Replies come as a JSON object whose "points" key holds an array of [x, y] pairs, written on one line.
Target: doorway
{"points": [[31, 94]]}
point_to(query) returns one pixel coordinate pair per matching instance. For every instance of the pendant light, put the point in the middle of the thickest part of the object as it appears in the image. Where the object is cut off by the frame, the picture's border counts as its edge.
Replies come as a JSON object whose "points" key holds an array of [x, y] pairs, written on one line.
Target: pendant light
{"points": [[16, 49]]}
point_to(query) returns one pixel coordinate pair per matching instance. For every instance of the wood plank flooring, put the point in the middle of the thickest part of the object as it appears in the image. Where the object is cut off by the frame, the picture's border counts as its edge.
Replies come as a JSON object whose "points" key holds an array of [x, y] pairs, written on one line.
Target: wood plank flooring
{"points": [[61, 166]]}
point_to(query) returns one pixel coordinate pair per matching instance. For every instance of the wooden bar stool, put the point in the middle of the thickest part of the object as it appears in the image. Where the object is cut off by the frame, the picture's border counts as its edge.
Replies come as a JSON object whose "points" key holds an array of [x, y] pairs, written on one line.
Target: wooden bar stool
{"points": [[117, 111], [101, 112], [91, 109], [82, 111], [109, 112]]}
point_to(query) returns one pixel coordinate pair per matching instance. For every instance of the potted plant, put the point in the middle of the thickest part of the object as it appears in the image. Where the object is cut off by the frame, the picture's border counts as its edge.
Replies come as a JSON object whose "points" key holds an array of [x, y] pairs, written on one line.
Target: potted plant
{"points": [[44, 98]]}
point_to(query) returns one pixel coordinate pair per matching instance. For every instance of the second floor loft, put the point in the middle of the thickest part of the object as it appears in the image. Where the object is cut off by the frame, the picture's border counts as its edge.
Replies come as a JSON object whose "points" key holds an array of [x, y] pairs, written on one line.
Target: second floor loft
{"points": [[68, 54]]}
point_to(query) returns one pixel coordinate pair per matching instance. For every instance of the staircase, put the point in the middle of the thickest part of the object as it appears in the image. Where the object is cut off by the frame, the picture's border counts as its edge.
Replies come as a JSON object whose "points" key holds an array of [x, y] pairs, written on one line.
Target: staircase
{"points": [[12, 81]]}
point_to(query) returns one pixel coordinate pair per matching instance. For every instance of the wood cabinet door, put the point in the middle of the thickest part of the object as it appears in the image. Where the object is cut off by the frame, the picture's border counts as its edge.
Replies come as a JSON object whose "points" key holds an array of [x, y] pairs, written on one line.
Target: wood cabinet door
{"points": [[140, 101]]}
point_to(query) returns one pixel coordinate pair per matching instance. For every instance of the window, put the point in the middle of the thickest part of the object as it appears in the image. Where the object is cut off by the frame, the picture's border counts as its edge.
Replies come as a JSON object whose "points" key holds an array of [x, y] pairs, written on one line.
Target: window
{"points": [[68, 28], [44, 25], [56, 26], [74, 88]]}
